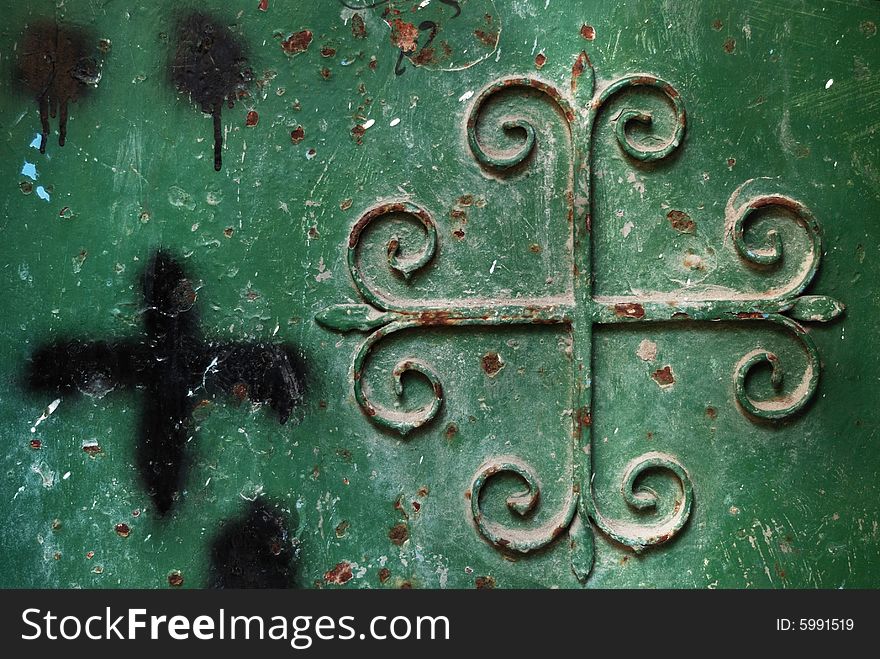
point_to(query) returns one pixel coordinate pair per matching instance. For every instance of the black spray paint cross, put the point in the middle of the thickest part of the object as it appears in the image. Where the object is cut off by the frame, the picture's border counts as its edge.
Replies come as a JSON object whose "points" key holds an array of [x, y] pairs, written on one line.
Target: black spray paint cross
{"points": [[169, 365]]}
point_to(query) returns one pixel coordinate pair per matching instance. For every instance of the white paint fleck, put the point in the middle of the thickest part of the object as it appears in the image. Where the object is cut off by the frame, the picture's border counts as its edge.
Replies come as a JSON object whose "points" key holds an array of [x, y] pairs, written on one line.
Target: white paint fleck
{"points": [[394, 122], [636, 183], [492, 268], [625, 231], [323, 273], [369, 123], [647, 351], [465, 96], [65, 476], [46, 413], [829, 83]]}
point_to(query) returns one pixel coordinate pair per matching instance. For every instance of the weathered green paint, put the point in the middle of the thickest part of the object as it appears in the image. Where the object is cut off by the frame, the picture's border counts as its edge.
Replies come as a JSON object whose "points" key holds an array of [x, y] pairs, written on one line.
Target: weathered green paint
{"points": [[589, 314]]}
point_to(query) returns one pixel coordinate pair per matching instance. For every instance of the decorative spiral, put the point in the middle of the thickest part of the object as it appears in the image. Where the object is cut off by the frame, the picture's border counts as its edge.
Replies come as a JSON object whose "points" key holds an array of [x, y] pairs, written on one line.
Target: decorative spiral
{"points": [[785, 404], [506, 161], [641, 499], [404, 267], [626, 117], [523, 503], [772, 251], [402, 421]]}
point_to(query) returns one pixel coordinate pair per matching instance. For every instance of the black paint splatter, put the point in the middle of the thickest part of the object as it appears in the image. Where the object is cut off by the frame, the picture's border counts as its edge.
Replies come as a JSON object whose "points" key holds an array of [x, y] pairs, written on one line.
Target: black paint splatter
{"points": [[255, 551], [211, 66], [56, 66], [174, 368]]}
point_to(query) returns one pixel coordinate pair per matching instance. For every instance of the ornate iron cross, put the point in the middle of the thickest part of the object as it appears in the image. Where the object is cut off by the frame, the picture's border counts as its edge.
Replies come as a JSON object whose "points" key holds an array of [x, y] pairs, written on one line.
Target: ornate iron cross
{"points": [[579, 309]]}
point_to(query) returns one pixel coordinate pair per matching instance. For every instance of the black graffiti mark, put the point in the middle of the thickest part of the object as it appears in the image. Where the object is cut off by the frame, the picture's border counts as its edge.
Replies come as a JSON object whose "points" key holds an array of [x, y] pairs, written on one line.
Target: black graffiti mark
{"points": [[424, 26], [255, 551], [211, 66], [55, 65], [175, 369]]}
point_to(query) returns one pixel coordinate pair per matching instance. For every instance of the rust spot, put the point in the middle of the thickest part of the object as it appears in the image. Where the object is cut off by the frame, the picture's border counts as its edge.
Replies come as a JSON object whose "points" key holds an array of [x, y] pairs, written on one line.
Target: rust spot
{"points": [[398, 506], [342, 528], [345, 204], [731, 162], [384, 574], [228, 231], [750, 315], [122, 530], [240, 391], [540, 61], [580, 65], [372, 64], [649, 435], [92, 449], [458, 215], [424, 56], [405, 585], [264, 5], [484, 582], [358, 133], [340, 574], [297, 135], [327, 51], [297, 42], [358, 27], [717, 25], [325, 73], [458, 233], [423, 491], [175, 579], [588, 32], [664, 376], [451, 431], [36, 444], [535, 248], [629, 310], [492, 363], [584, 418], [399, 534], [681, 221], [466, 200], [711, 412], [468, 495], [680, 315], [434, 317], [487, 38], [868, 28], [252, 118], [404, 35], [416, 506], [729, 45]]}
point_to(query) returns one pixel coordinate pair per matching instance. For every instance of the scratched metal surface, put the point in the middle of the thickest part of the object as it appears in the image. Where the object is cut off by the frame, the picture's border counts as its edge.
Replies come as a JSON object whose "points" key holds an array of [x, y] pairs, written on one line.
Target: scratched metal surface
{"points": [[339, 124]]}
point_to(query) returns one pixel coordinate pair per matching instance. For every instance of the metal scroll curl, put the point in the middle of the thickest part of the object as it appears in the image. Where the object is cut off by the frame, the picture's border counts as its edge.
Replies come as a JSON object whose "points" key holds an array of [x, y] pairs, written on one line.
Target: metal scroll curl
{"points": [[523, 504], [640, 498]]}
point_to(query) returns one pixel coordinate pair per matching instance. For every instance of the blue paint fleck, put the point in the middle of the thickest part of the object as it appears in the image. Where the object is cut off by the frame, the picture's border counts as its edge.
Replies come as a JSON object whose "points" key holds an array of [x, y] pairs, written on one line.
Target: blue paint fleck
{"points": [[41, 193], [29, 170], [35, 143]]}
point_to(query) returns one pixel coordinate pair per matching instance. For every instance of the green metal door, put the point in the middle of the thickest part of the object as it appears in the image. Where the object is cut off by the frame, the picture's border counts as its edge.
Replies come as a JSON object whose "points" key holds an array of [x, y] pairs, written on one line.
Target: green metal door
{"points": [[451, 293]]}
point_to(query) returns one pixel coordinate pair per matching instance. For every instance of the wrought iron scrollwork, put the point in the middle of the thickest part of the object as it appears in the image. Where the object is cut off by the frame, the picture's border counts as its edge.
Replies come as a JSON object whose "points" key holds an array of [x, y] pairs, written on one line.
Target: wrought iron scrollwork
{"points": [[785, 307]]}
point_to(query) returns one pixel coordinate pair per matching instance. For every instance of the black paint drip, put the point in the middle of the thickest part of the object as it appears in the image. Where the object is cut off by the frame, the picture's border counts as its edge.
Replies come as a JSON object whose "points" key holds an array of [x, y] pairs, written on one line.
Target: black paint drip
{"points": [[210, 65], [55, 65], [175, 369], [255, 551]]}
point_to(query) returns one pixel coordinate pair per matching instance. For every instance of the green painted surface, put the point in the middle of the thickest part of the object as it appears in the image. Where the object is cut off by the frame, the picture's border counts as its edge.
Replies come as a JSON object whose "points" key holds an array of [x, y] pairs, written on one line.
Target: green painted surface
{"points": [[782, 90]]}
